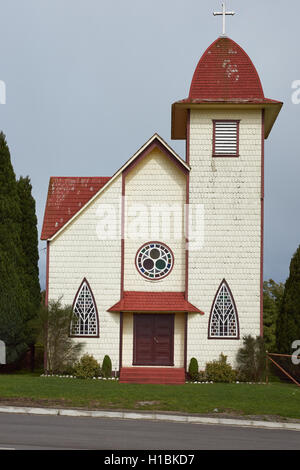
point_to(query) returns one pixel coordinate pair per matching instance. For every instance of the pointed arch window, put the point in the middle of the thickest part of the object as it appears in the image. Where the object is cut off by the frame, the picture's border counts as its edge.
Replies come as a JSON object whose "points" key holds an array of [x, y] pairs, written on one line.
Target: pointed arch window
{"points": [[223, 322], [85, 310]]}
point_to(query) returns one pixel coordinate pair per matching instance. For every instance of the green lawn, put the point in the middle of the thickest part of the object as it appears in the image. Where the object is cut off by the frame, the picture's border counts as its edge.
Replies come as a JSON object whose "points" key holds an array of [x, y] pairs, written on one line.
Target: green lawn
{"points": [[244, 399]]}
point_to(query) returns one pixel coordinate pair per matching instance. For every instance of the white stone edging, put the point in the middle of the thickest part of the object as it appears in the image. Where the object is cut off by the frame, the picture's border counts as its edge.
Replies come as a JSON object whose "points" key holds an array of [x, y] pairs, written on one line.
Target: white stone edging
{"points": [[117, 379], [74, 377], [150, 416]]}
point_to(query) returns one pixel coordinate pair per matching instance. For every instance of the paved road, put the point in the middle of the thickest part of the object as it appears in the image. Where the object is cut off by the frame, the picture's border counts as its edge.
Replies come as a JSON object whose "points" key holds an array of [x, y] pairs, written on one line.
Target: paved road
{"points": [[61, 432]]}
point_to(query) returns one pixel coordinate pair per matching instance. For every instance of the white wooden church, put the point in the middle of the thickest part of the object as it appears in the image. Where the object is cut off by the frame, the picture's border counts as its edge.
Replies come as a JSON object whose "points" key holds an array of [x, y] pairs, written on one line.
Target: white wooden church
{"points": [[163, 261]]}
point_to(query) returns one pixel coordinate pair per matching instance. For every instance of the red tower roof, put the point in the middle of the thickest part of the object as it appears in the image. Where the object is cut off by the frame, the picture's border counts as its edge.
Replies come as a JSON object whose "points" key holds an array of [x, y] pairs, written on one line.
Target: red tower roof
{"points": [[225, 78], [225, 72]]}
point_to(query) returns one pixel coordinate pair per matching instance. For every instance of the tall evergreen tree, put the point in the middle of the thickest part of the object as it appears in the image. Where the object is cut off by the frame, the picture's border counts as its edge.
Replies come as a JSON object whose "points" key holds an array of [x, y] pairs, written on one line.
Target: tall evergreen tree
{"points": [[273, 294], [14, 297], [29, 242], [288, 323]]}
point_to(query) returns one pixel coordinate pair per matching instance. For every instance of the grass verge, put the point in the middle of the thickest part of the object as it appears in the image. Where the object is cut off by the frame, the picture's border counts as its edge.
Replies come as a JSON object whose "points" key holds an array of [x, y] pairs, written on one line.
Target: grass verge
{"points": [[276, 399]]}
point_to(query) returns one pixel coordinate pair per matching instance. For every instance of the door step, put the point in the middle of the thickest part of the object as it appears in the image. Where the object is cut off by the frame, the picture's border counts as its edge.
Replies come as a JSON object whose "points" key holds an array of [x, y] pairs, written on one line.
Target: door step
{"points": [[152, 375]]}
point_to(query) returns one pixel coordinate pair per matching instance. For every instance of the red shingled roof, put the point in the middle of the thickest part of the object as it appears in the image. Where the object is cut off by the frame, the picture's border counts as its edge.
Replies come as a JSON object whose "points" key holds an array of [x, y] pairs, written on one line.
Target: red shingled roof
{"points": [[66, 196], [225, 72], [134, 301], [225, 76]]}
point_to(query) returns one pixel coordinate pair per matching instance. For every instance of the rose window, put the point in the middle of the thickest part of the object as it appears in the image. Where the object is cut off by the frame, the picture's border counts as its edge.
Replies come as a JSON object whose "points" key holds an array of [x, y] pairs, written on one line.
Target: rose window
{"points": [[154, 260]]}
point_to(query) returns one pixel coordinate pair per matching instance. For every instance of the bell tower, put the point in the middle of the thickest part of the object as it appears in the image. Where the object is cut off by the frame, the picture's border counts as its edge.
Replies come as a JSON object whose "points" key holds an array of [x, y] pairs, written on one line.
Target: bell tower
{"points": [[225, 120]]}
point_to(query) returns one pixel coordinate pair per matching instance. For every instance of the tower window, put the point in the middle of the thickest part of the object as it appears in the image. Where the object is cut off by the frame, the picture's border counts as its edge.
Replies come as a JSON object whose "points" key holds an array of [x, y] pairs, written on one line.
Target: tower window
{"points": [[226, 138]]}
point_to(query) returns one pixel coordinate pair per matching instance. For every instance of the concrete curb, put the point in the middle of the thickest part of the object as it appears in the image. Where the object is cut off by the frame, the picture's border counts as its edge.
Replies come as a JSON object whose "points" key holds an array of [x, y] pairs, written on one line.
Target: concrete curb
{"points": [[153, 416]]}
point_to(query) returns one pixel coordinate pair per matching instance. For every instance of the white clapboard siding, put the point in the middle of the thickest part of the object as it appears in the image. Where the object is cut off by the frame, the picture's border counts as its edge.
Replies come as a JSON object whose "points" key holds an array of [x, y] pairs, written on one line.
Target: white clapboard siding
{"points": [[225, 137]]}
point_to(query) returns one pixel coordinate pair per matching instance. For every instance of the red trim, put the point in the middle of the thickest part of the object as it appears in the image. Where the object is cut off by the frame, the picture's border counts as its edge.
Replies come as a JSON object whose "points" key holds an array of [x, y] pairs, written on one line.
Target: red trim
{"points": [[262, 223], [122, 234], [74, 301], [47, 301], [156, 144], [238, 138], [47, 273], [188, 136], [236, 311], [187, 209], [150, 278], [121, 343], [185, 340], [218, 155], [187, 200], [214, 138]]}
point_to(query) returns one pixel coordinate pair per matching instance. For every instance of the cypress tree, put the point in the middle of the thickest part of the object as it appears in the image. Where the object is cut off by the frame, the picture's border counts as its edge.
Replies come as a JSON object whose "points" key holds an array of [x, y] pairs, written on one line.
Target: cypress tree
{"points": [[273, 294], [29, 242], [14, 296], [288, 323]]}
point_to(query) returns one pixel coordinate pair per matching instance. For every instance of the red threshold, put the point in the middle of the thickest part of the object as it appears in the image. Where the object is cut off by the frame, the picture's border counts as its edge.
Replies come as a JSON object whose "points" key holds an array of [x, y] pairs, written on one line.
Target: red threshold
{"points": [[152, 375]]}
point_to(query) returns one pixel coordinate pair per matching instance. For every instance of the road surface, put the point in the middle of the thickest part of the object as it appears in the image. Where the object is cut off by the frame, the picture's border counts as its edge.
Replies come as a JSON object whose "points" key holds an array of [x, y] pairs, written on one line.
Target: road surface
{"points": [[20, 431]]}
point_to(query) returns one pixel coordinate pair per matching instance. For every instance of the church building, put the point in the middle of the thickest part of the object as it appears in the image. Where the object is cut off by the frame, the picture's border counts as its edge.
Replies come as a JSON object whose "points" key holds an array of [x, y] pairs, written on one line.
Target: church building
{"points": [[163, 261]]}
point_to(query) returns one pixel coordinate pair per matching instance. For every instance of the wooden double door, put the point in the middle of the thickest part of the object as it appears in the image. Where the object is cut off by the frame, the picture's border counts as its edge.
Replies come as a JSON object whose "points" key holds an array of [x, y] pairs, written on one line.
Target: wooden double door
{"points": [[153, 343]]}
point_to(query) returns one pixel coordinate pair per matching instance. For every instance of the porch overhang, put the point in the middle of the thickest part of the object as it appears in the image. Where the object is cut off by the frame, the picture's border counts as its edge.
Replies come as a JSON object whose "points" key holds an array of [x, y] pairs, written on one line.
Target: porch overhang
{"points": [[150, 302]]}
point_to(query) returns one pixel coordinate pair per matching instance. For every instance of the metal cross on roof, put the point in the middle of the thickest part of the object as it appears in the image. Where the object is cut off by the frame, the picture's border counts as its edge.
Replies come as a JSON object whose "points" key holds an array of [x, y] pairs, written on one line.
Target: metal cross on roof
{"points": [[224, 13]]}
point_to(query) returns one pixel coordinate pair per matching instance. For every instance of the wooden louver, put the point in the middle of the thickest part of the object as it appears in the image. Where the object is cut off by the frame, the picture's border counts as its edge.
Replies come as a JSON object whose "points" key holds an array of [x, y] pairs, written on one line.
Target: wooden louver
{"points": [[226, 138]]}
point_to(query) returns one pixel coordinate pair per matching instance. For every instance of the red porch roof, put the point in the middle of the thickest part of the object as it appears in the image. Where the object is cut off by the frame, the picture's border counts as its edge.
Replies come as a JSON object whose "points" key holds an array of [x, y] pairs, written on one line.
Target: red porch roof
{"points": [[136, 301]]}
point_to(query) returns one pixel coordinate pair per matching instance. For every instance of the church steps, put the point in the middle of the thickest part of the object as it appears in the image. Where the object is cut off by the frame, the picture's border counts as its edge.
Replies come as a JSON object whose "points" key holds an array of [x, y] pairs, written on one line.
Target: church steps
{"points": [[152, 375]]}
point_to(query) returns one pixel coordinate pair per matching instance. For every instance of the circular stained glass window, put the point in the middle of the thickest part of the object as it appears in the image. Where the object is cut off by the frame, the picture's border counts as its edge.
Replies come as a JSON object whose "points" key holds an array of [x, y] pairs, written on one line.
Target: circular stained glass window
{"points": [[154, 260]]}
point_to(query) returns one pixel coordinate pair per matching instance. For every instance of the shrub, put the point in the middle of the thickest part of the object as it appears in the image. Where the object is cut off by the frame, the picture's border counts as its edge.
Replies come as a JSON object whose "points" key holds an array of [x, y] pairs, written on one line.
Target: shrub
{"points": [[68, 370], [52, 328], [202, 376], [220, 371], [106, 367], [193, 369], [87, 367], [251, 359]]}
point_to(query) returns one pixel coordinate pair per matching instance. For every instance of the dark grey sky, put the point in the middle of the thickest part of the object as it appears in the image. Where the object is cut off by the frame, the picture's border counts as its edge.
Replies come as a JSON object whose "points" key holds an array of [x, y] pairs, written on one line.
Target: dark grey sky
{"points": [[88, 82]]}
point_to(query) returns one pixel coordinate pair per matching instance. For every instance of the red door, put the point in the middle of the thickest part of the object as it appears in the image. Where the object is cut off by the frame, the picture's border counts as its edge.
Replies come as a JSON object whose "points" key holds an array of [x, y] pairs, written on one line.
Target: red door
{"points": [[153, 340]]}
